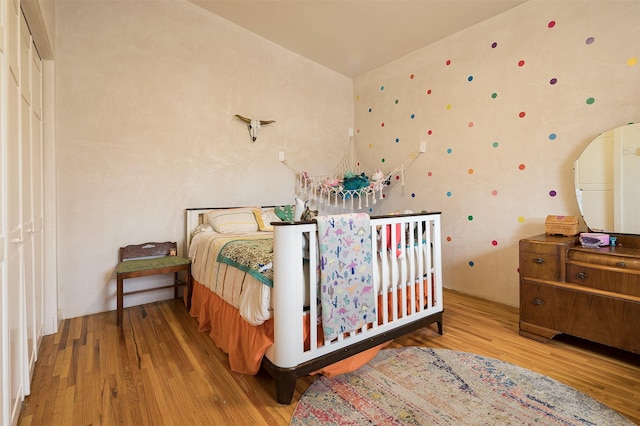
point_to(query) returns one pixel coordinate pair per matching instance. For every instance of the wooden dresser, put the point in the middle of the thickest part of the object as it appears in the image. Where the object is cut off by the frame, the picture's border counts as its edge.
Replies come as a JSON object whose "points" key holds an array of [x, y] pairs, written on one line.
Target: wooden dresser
{"points": [[589, 293]]}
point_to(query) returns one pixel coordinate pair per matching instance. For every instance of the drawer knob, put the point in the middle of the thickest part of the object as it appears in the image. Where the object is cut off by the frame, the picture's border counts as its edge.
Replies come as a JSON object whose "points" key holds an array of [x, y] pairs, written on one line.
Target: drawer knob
{"points": [[620, 264], [539, 260], [537, 301], [582, 276]]}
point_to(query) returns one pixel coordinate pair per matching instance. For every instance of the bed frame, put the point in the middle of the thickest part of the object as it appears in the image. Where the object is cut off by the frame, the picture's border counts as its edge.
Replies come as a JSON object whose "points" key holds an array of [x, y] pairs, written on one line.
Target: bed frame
{"points": [[287, 359]]}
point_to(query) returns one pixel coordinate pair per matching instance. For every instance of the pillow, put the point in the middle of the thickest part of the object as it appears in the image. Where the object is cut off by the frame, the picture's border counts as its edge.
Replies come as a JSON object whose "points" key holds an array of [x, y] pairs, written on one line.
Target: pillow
{"points": [[264, 217], [285, 213], [233, 220], [203, 227], [299, 209]]}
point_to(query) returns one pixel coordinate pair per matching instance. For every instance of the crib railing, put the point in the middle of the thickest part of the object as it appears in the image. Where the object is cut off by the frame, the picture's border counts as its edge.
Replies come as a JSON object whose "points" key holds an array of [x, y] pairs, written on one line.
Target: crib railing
{"points": [[407, 276]]}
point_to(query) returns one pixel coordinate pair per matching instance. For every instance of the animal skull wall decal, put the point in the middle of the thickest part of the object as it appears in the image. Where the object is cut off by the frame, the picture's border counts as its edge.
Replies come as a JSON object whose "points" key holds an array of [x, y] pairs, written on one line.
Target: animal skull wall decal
{"points": [[254, 125]]}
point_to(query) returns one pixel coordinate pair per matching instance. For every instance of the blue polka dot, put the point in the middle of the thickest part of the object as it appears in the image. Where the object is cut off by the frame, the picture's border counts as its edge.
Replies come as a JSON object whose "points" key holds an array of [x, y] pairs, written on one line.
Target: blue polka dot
{"points": [[370, 109], [471, 263], [381, 87], [413, 116], [552, 136], [470, 78], [397, 140], [449, 150], [448, 193]]}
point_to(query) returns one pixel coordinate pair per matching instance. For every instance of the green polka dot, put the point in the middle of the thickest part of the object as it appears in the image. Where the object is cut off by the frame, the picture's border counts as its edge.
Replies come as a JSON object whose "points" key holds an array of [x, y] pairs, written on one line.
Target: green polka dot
{"points": [[495, 144], [494, 95], [590, 101]]}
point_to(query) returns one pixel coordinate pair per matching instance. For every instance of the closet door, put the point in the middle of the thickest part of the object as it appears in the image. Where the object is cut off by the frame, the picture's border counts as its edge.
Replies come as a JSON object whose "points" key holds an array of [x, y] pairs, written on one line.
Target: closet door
{"points": [[4, 329], [30, 147], [37, 209], [21, 202], [15, 301]]}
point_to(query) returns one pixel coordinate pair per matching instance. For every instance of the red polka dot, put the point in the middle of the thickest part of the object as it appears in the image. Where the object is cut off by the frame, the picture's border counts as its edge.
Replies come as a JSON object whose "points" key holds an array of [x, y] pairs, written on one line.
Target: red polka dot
{"points": [[494, 243], [381, 124], [448, 62], [521, 63], [429, 174], [551, 24], [411, 76], [521, 166], [522, 114], [429, 92], [429, 132], [449, 239]]}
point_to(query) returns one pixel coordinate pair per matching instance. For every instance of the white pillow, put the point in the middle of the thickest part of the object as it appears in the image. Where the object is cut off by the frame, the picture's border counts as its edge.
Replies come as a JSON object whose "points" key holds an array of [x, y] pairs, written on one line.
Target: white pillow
{"points": [[203, 227], [299, 209], [233, 220]]}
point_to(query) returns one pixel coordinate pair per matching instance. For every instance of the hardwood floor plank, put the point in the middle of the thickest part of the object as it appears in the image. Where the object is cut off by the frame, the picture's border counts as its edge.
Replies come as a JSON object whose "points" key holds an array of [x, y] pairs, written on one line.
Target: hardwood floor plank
{"points": [[158, 369]]}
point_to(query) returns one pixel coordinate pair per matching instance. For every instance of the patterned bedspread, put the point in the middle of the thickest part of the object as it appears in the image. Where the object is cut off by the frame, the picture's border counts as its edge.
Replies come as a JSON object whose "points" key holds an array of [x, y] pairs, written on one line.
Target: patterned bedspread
{"points": [[251, 256]]}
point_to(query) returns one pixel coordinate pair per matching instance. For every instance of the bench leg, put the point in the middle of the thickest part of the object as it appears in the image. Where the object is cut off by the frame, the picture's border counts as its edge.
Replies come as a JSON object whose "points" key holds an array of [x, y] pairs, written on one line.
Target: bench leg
{"points": [[119, 297]]}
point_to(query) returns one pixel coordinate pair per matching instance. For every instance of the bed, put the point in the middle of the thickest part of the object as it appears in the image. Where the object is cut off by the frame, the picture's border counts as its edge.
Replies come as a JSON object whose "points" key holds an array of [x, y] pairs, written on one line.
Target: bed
{"points": [[267, 312]]}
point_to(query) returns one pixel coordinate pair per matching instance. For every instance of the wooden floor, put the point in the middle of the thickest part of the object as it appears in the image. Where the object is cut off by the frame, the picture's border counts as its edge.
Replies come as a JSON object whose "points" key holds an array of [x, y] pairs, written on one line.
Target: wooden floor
{"points": [[160, 370]]}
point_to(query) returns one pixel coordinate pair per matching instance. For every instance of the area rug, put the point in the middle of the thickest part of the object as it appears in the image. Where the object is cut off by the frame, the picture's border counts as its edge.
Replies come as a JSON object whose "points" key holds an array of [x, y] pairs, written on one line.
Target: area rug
{"points": [[424, 386]]}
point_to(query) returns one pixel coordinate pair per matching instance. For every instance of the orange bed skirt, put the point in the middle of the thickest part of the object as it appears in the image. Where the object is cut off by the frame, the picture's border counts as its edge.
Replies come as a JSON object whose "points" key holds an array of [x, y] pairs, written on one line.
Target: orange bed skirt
{"points": [[246, 344]]}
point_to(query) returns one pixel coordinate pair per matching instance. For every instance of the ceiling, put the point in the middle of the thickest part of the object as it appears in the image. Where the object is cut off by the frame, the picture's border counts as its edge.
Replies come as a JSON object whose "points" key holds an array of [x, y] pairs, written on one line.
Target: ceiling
{"points": [[353, 37]]}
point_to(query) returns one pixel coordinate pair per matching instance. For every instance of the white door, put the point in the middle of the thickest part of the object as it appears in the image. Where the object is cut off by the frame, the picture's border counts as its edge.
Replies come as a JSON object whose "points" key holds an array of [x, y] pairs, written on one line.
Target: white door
{"points": [[14, 257], [37, 206], [4, 329], [21, 202]]}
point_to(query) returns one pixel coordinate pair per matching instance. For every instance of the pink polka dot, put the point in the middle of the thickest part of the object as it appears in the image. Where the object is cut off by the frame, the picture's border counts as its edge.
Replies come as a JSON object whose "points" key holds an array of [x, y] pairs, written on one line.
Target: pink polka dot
{"points": [[494, 192], [429, 174], [551, 24], [494, 243], [470, 124]]}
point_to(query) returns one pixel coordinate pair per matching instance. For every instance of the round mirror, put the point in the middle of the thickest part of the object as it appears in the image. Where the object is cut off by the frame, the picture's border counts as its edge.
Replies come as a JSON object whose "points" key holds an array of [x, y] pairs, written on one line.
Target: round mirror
{"points": [[607, 181]]}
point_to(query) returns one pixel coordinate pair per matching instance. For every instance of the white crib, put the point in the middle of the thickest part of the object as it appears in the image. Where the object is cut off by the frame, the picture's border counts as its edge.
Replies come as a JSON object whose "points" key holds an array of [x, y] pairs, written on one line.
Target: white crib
{"points": [[407, 276]]}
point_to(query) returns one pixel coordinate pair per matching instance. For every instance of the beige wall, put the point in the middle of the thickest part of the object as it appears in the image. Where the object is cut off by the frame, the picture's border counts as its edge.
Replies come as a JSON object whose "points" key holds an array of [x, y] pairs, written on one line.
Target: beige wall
{"points": [[477, 142], [146, 92]]}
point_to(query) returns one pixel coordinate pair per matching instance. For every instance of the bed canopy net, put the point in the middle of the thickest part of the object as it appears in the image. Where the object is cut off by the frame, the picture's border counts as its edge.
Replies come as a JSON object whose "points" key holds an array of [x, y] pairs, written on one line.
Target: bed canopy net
{"points": [[350, 182]]}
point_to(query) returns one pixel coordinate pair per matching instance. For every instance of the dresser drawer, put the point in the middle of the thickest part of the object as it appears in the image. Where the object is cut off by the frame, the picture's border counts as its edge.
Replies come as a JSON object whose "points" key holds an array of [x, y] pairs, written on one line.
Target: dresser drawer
{"points": [[608, 279], [606, 320], [539, 248], [539, 265], [598, 258]]}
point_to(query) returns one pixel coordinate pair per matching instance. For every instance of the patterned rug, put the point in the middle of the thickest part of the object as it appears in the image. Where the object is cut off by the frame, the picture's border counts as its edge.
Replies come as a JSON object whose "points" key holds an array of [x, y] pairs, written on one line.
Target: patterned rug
{"points": [[423, 386]]}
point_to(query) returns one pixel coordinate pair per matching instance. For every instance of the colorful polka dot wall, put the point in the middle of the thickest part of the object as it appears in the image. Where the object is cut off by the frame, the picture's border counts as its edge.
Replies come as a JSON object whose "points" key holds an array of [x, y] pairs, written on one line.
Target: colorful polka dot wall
{"points": [[505, 108]]}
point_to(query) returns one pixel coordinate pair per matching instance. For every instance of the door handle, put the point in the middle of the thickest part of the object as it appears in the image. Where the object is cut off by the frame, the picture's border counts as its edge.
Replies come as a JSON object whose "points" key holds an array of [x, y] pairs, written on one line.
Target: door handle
{"points": [[537, 301], [582, 275], [539, 260]]}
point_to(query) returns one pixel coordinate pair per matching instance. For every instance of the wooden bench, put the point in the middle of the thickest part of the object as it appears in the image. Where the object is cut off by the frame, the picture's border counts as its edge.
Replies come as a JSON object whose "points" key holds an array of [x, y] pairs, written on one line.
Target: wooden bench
{"points": [[146, 259]]}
